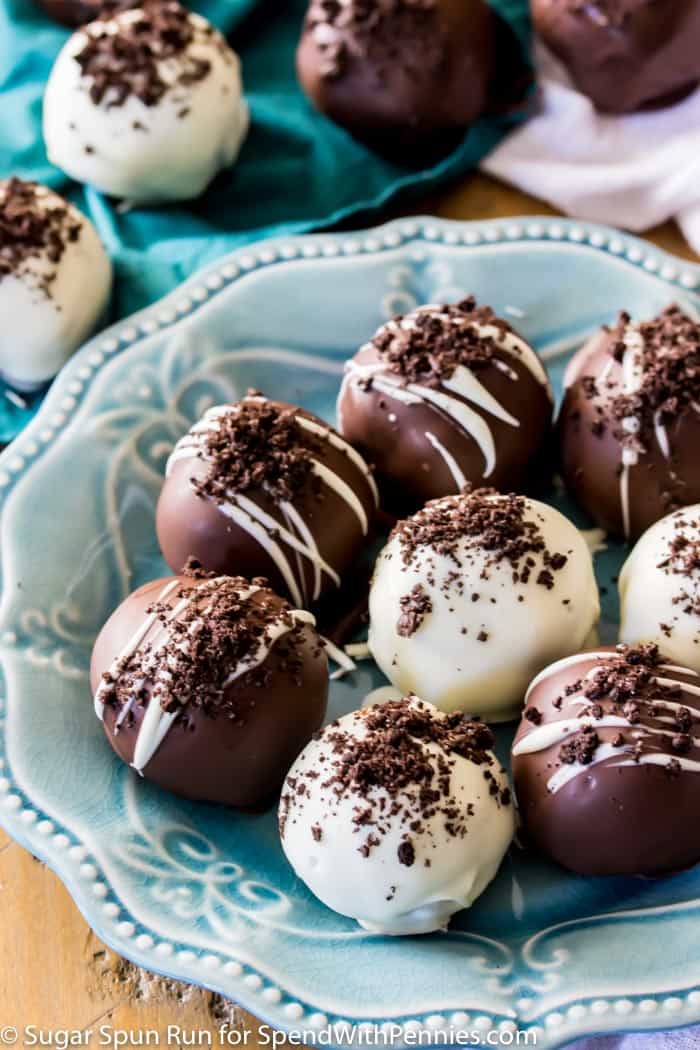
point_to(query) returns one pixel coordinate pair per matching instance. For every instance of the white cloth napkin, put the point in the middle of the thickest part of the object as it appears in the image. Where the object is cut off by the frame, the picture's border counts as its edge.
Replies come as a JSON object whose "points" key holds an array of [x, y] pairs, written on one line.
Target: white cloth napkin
{"points": [[633, 171], [685, 1039]]}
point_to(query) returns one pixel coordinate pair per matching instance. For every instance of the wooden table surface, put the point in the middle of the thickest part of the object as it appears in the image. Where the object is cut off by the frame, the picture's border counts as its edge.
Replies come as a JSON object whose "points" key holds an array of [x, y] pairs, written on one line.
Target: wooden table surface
{"points": [[54, 973]]}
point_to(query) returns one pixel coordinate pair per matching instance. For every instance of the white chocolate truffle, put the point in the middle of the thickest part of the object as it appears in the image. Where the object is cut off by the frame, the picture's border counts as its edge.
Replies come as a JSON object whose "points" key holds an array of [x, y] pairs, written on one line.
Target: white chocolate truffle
{"points": [[660, 588], [55, 280], [146, 105], [475, 594], [397, 816]]}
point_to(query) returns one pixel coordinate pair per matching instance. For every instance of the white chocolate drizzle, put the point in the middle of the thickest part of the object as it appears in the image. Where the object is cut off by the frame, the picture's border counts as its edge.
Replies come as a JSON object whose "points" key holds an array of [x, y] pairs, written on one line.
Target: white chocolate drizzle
{"points": [[344, 661], [542, 737], [265, 529], [632, 378], [452, 464]]}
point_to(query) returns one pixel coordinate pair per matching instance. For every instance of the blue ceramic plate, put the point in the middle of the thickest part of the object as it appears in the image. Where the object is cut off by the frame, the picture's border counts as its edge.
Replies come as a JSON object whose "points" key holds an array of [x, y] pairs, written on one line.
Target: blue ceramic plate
{"points": [[204, 894]]}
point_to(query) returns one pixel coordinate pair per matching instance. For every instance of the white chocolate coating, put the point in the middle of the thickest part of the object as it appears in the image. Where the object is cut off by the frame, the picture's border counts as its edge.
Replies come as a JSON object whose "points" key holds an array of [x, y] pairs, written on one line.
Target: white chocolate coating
{"points": [[382, 894], [479, 656], [44, 326], [169, 151], [656, 594]]}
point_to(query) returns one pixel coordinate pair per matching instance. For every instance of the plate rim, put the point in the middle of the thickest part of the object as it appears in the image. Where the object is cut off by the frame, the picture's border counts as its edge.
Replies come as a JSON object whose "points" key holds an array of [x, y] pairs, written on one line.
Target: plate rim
{"points": [[43, 836]]}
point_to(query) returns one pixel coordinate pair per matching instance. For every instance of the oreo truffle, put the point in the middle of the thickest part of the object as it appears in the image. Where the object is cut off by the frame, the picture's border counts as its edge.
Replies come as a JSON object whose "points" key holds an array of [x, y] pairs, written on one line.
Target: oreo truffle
{"points": [[397, 816], [630, 421], [445, 396], [606, 763], [625, 55], [264, 488], [55, 280], [145, 104], [75, 13], [408, 77], [660, 588], [210, 686], [474, 595]]}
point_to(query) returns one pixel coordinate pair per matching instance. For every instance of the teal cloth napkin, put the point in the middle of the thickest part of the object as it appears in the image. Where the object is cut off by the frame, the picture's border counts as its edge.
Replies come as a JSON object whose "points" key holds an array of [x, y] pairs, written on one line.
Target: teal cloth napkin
{"points": [[297, 171]]}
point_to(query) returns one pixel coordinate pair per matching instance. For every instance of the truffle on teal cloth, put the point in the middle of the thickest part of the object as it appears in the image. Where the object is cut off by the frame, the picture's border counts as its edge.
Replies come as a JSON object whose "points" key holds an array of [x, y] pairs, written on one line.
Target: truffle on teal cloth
{"points": [[297, 171]]}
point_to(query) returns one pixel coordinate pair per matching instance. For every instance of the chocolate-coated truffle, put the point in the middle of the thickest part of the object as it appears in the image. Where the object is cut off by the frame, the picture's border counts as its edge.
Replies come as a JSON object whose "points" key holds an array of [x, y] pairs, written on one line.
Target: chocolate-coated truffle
{"points": [[406, 76], [55, 280], [660, 588], [445, 396], [606, 763], [210, 687], [145, 104], [630, 422], [75, 13], [624, 54], [263, 488], [475, 594], [408, 821]]}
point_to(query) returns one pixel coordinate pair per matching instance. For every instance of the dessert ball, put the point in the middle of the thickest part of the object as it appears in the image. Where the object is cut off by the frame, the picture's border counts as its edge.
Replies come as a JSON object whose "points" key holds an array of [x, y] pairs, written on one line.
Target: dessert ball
{"points": [[660, 588], [265, 488], [624, 54], [210, 686], [55, 280], [405, 76], [397, 816], [445, 396], [145, 104], [74, 13], [474, 595], [630, 422], [606, 763]]}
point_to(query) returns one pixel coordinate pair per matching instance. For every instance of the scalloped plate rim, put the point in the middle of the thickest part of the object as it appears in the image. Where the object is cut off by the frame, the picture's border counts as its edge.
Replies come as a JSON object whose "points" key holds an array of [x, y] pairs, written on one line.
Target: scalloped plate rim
{"points": [[671, 270]]}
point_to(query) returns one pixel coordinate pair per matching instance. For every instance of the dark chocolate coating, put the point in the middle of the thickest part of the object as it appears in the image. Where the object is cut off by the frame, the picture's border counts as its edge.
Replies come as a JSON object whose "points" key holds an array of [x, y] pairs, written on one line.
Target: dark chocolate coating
{"points": [[190, 526], [591, 460], [409, 80], [211, 758], [74, 13], [635, 820], [625, 55], [409, 469]]}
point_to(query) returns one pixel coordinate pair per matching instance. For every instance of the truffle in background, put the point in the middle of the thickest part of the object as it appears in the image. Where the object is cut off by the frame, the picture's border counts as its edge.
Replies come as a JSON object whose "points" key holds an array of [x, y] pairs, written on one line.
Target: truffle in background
{"points": [[74, 13], [407, 77], [606, 763], [210, 687], [630, 421], [445, 396], [408, 822], [474, 595], [625, 55], [55, 280], [660, 588], [146, 104], [266, 489]]}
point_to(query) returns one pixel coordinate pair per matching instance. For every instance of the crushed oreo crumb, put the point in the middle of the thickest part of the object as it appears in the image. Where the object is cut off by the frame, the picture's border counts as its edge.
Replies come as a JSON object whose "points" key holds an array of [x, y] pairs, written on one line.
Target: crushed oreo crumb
{"points": [[482, 521], [258, 445], [415, 606], [125, 58], [428, 345], [401, 770], [33, 228], [668, 363]]}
